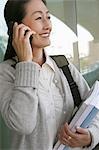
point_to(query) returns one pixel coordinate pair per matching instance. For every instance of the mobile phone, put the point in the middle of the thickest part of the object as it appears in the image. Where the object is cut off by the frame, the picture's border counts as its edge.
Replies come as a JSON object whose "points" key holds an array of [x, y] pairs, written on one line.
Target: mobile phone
{"points": [[31, 37]]}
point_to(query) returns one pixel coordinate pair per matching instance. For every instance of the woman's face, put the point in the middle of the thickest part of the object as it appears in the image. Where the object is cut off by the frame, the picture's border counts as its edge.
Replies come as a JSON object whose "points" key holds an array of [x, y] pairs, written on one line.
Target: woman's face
{"points": [[38, 19]]}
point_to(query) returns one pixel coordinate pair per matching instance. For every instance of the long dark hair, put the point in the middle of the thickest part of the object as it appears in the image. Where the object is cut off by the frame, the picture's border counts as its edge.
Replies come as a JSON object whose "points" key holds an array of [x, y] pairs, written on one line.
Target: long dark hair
{"points": [[14, 11]]}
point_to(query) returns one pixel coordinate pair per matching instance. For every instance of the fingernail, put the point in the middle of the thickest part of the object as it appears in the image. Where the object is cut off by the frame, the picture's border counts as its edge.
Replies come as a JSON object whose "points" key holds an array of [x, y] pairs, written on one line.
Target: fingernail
{"points": [[15, 23], [78, 127]]}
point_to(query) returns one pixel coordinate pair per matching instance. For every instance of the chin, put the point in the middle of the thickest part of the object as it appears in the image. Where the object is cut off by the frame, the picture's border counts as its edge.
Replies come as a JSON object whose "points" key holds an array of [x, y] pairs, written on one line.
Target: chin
{"points": [[45, 44], [42, 44], [48, 44]]}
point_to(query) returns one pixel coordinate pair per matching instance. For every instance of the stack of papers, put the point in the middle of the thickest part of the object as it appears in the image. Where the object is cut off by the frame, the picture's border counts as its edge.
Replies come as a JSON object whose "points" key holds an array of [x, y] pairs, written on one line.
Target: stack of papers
{"points": [[85, 114]]}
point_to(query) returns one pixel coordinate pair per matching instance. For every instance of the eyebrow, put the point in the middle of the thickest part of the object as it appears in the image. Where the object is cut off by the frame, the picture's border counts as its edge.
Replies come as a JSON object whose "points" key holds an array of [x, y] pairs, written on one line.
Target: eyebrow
{"points": [[39, 12]]}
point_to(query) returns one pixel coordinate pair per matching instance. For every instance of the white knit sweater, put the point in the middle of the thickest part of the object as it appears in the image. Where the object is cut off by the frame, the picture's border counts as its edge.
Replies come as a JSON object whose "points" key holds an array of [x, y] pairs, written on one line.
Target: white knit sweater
{"points": [[25, 113]]}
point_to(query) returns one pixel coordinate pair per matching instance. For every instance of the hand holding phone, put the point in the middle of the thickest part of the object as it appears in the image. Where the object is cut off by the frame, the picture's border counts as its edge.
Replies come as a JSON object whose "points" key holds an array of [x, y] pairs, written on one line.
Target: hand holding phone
{"points": [[22, 39]]}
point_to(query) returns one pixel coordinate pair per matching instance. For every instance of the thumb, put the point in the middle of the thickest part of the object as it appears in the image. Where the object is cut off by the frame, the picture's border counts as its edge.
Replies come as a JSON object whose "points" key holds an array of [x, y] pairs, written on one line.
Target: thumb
{"points": [[81, 130]]}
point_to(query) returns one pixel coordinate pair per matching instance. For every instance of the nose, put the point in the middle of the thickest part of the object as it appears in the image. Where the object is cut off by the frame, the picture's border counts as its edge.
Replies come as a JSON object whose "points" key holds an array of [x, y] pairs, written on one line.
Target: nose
{"points": [[47, 24]]}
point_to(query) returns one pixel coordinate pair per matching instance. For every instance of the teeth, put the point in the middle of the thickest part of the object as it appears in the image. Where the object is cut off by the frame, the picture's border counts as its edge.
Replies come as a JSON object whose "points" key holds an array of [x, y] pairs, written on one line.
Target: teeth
{"points": [[45, 35]]}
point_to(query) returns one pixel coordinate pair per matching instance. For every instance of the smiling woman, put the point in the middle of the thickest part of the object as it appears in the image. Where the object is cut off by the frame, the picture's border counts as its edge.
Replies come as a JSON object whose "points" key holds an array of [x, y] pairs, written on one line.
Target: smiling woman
{"points": [[35, 93], [29, 19]]}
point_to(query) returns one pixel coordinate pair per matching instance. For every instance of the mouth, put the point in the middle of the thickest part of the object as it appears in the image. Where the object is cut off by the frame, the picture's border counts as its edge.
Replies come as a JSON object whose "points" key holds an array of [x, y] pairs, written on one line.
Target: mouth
{"points": [[45, 35]]}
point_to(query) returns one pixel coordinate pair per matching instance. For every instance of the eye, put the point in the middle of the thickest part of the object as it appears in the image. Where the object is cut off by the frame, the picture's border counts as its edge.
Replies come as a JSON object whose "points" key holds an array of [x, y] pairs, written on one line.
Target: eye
{"points": [[38, 18], [49, 17]]}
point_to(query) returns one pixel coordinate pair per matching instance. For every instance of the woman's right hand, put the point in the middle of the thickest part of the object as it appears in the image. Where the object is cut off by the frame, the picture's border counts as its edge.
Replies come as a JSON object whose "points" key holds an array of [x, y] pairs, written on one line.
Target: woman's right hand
{"points": [[21, 42]]}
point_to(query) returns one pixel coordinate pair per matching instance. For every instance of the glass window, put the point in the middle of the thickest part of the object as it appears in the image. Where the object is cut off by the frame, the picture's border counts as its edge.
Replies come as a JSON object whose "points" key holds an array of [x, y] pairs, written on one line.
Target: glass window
{"points": [[3, 31], [64, 29], [88, 38]]}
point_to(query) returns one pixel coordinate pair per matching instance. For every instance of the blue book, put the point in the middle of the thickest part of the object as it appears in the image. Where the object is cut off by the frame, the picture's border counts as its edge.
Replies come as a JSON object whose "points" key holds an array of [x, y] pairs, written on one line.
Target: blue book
{"points": [[89, 118]]}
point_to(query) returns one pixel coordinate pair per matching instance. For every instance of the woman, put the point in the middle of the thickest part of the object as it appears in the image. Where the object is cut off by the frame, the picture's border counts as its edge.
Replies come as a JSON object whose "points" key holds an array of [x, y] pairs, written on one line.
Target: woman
{"points": [[35, 93]]}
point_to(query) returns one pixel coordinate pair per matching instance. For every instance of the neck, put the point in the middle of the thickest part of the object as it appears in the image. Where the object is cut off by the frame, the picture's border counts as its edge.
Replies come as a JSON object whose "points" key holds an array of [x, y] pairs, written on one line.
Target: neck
{"points": [[39, 56]]}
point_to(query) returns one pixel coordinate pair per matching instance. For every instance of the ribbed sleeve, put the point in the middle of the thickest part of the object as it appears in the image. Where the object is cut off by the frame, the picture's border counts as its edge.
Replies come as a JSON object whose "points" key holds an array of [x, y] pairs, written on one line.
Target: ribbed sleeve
{"points": [[27, 74]]}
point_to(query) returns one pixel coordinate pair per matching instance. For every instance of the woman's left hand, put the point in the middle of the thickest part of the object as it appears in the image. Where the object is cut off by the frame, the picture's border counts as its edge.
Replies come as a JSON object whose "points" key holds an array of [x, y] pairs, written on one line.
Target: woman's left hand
{"points": [[81, 138]]}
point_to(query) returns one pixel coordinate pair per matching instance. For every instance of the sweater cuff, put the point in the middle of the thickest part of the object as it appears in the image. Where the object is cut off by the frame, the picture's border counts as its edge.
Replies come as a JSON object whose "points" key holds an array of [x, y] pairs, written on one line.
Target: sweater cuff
{"points": [[27, 74]]}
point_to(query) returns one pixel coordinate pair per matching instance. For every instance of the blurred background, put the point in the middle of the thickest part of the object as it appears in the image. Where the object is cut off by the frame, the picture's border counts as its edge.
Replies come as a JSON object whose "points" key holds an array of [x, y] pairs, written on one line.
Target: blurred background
{"points": [[75, 34]]}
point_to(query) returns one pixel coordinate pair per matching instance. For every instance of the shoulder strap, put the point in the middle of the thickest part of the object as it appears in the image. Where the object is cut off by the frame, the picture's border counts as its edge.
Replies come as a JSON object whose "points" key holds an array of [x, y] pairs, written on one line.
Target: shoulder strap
{"points": [[62, 63], [14, 60]]}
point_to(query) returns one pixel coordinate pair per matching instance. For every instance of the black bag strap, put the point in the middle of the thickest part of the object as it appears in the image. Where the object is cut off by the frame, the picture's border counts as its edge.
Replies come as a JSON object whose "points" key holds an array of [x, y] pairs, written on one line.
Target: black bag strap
{"points": [[62, 63]]}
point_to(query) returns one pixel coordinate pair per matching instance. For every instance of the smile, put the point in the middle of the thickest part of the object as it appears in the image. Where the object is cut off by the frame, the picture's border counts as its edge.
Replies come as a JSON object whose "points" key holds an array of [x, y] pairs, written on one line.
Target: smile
{"points": [[44, 35]]}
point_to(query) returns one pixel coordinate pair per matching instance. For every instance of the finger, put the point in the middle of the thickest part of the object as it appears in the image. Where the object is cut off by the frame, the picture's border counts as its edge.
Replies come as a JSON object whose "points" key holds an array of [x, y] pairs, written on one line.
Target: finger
{"points": [[23, 32], [63, 133], [69, 132], [29, 34], [66, 127], [65, 141], [17, 28], [68, 141], [14, 30], [82, 130]]}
